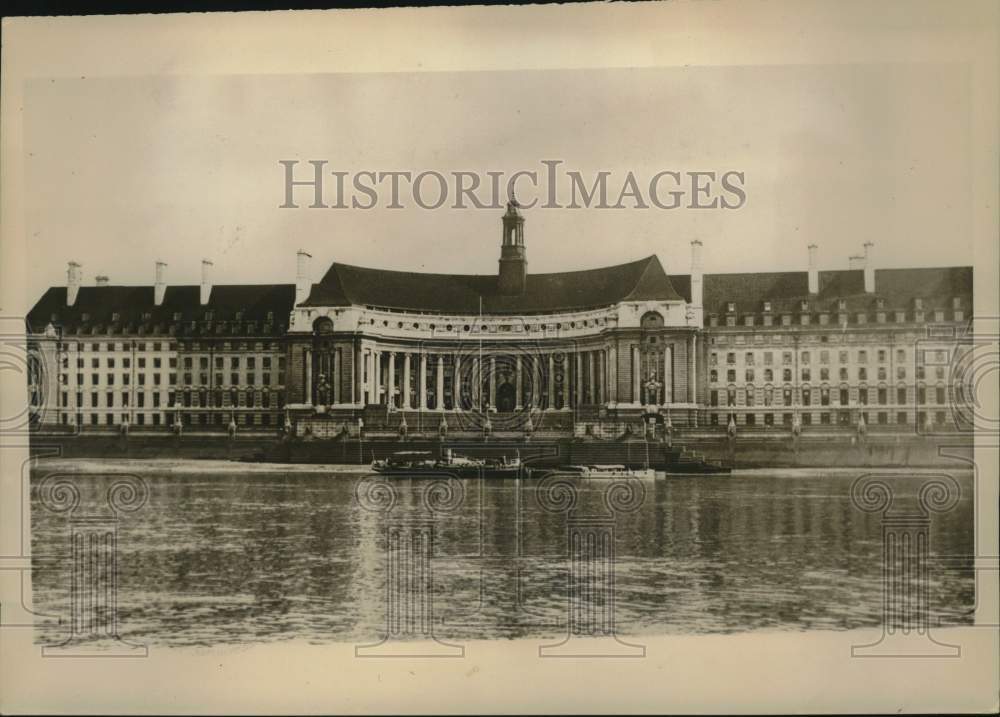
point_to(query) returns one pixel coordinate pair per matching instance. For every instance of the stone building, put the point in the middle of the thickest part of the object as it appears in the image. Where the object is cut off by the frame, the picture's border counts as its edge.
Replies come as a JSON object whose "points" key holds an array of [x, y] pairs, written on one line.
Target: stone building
{"points": [[152, 356], [574, 353]]}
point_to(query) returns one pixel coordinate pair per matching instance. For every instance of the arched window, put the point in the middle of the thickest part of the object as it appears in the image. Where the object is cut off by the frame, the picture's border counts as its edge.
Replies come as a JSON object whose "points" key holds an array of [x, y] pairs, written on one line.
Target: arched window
{"points": [[651, 320], [323, 325]]}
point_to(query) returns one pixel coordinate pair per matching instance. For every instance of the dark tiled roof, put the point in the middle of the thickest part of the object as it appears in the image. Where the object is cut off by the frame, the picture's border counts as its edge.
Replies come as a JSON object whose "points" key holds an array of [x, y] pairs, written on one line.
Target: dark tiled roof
{"points": [[96, 306], [345, 285], [786, 290]]}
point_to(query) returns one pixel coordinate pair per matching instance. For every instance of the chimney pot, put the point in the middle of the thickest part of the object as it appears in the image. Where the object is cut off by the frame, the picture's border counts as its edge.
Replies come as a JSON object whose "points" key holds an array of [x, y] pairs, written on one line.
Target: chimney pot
{"points": [[72, 282], [869, 266], [813, 270], [206, 281], [101, 280], [696, 274], [160, 287], [303, 284]]}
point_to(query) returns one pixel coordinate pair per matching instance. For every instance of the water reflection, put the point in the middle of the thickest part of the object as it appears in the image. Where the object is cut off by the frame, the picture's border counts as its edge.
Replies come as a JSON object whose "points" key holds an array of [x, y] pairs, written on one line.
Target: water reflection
{"points": [[216, 559]]}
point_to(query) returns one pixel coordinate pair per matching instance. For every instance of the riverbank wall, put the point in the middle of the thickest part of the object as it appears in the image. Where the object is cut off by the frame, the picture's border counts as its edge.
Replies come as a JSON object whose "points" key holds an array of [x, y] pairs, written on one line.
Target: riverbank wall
{"points": [[741, 452]]}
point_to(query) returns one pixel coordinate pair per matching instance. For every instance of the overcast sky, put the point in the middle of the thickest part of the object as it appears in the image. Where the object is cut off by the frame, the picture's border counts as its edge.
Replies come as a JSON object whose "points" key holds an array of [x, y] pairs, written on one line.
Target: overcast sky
{"points": [[123, 171]]}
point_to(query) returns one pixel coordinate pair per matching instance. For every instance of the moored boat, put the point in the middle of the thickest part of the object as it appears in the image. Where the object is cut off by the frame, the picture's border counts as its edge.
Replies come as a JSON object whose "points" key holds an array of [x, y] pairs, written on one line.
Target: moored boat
{"points": [[607, 471], [415, 463]]}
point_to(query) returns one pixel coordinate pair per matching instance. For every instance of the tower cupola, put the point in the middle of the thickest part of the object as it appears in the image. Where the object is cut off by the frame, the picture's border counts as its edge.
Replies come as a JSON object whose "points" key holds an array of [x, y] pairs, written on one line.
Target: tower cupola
{"points": [[513, 260]]}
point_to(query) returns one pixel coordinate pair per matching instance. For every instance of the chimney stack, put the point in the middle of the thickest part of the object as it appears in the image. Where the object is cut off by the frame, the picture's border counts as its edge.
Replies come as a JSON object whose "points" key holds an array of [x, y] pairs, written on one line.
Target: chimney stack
{"points": [[869, 268], [696, 276], [101, 280], [813, 270], [206, 280], [302, 282], [160, 288], [72, 283], [856, 262]]}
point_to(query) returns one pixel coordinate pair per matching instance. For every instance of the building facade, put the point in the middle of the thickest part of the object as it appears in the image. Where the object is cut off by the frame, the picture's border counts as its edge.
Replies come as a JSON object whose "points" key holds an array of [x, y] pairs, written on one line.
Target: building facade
{"points": [[575, 353]]}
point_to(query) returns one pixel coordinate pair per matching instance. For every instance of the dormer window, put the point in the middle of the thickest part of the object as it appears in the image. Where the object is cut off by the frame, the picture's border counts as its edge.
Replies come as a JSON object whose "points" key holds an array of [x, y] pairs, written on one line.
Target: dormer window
{"points": [[270, 316], [115, 316], [918, 303], [805, 305], [85, 317], [239, 316], [731, 307], [208, 315], [956, 302], [841, 304], [146, 316], [880, 303], [767, 306], [177, 316]]}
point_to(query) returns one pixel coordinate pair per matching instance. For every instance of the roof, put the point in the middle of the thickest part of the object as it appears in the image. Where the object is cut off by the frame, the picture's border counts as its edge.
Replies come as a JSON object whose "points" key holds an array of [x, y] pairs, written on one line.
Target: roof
{"points": [[345, 285], [98, 308], [786, 290]]}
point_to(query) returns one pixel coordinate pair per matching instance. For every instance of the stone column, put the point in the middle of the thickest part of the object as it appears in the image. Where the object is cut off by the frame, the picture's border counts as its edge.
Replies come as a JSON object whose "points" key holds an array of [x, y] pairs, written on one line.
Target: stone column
{"points": [[693, 375], [578, 378], [590, 392], [390, 380], [378, 377], [668, 374], [612, 374], [456, 383], [422, 381], [551, 382], [518, 383], [636, 366], [493, 382], [307, 357], [600, 376], [439, 393], [335, 360], [356, 374], [477, 385], [406, 381], [536, 374]]}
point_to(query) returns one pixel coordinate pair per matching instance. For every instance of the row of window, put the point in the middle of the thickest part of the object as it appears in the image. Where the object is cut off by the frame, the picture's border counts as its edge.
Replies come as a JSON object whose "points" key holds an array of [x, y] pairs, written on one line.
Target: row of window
{"points": [[881, 317], [202, 399], [118, 346], [843, 374], [126, 362], [235, 379], [842, 418], [785, 396], [157, 419], [937, 356]]}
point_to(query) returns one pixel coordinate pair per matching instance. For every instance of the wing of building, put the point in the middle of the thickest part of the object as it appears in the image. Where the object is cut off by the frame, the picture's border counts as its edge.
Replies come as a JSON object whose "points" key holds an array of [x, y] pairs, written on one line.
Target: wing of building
{"points": [[571, 353]]}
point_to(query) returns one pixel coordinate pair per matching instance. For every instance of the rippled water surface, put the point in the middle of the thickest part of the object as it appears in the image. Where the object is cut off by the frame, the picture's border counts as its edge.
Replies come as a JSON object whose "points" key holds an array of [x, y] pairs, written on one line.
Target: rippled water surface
{"points": [[235, 558]]}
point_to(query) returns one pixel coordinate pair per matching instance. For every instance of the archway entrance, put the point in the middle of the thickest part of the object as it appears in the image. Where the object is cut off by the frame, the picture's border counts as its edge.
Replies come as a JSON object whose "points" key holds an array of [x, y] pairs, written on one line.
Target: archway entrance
{"points": [[506, 398]]}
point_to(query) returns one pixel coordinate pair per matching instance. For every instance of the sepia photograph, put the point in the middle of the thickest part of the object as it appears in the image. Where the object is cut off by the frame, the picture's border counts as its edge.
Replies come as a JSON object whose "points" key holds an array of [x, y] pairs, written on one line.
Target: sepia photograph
{"points": [[346, 379]]}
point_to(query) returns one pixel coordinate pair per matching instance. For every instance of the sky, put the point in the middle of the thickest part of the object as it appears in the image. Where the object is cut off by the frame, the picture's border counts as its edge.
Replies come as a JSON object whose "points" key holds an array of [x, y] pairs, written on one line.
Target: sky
{"points": [[123, 171]]}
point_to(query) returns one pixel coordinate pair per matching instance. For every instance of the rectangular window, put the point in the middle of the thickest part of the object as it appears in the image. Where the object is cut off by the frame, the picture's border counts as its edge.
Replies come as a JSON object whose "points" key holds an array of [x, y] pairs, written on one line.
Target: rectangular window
{"points": [[900, 396], [939, 395]]}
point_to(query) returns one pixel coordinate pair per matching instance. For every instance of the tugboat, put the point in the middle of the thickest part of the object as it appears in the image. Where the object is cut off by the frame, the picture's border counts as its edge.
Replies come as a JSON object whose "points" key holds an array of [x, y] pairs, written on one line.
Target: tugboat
{"points": [[415, 463], [608, 471]]}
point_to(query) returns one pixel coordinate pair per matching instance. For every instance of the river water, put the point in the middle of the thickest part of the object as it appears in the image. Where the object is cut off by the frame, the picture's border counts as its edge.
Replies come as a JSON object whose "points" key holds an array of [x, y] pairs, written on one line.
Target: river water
{"points": [[235, 557]]}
